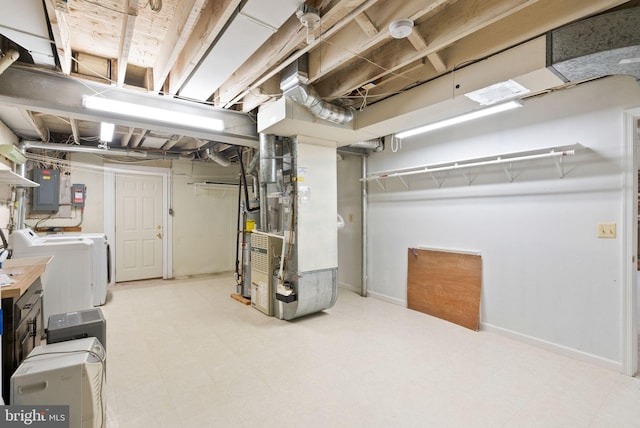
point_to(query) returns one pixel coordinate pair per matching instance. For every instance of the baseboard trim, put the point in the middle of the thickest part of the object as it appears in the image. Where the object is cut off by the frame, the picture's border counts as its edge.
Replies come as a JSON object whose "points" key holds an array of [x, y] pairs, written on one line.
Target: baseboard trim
{"points": [[349, 287], [554, 347], [385, 298]]}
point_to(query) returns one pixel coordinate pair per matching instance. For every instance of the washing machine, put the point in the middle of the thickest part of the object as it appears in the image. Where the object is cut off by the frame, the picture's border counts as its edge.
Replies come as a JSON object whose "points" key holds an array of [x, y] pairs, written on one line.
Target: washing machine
{"points": [[68, 279], [101, 261]]}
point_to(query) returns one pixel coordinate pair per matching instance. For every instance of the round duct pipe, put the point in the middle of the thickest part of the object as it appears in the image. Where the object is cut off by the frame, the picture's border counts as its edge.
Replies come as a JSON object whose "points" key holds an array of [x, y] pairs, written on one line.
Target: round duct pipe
{"points": [[268, 165], [217, 158]]}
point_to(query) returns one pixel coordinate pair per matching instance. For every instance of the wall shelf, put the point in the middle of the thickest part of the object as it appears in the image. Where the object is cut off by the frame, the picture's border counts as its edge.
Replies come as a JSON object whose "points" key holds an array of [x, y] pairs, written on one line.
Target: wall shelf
{"points": [[10, 177], [506, 161]]}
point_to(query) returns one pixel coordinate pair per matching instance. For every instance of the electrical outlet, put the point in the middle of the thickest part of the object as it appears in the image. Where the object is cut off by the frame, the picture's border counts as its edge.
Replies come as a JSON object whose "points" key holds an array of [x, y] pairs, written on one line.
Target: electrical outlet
{"points": [[606, 230]]}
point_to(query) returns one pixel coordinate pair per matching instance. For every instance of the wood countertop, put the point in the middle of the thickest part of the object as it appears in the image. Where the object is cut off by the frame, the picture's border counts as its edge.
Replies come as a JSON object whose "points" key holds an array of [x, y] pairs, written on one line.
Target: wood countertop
{"points": [[24, 271]]}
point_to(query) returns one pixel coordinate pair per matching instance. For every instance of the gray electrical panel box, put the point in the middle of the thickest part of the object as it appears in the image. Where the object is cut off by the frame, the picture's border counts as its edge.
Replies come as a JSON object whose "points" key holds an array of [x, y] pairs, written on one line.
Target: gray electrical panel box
{"points": [[47, 196], [77, 195]]}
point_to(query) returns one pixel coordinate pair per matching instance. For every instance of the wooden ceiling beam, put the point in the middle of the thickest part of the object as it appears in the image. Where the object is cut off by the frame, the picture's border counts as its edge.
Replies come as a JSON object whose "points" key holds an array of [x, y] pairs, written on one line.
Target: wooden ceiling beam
{"points": [[37, 124], [137, 138], [61, 36], [366, 25], [182, 24], [124, 142], [279, 50], [126, 37], [352, 41], [438, 63], [443, 29], [213, 17], [74, 130]]}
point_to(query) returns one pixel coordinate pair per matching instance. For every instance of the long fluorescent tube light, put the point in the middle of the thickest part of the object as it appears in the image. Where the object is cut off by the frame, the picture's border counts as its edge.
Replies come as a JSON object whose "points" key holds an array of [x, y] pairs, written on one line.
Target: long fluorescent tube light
{"points": [[498, 108], [106, 131], [152, 113]]}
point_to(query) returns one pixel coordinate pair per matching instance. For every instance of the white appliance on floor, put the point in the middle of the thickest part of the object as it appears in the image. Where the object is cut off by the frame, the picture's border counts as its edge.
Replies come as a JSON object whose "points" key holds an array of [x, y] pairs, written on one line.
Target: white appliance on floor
{"points": [[67, 373], [68, 279], [101, 261]]}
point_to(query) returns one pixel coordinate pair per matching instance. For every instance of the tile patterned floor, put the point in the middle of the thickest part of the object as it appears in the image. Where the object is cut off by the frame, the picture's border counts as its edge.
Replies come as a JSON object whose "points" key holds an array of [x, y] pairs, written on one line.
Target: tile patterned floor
{"points": [[182, 353]]}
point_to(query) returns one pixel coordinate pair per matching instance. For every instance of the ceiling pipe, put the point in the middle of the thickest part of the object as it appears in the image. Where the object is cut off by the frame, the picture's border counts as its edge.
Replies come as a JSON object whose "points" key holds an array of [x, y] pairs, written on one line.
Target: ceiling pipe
{"points": [[375, 144], [217, 157], [94, 150], [294, 85]]}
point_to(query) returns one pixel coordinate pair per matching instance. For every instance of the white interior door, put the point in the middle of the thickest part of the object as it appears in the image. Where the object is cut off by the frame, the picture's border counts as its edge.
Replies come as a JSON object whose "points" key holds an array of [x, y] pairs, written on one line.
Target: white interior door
{"points": [[139, 233]]}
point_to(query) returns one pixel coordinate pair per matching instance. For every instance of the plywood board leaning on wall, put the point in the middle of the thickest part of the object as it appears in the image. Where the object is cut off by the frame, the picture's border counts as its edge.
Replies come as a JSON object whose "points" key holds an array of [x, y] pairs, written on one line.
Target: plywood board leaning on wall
{"points": [[446, 285]]}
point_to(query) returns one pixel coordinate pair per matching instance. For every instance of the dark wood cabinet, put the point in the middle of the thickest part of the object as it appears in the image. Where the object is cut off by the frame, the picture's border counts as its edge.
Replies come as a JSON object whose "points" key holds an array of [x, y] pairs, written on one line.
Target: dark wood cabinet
{"points": [[22, 317]]}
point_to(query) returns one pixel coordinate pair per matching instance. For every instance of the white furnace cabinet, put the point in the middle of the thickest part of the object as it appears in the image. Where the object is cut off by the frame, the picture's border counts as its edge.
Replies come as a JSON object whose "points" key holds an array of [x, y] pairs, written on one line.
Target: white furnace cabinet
{"points": [[266, 251]]}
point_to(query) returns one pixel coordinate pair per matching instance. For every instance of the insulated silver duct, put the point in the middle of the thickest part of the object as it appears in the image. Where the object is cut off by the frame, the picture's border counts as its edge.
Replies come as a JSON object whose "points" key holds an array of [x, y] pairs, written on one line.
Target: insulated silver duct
{"points": [[375, 144], [217, 158], [294, 85]]}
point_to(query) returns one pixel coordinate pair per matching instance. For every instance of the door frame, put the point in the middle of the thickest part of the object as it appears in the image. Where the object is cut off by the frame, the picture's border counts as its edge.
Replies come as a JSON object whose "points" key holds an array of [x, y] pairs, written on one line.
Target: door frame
{"points": [[629, 244], [110, 172]]}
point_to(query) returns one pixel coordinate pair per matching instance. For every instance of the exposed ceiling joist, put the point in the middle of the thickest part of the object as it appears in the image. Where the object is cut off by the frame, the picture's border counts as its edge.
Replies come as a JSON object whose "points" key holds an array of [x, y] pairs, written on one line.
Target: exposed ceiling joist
{"points": [[184, 20], [366, 25], [37, 123], [212, 20], [127, 137], [137, 138], [345, 45], [342, 15], [74, 130], [128, 25], [61, 36], [443, 29]]}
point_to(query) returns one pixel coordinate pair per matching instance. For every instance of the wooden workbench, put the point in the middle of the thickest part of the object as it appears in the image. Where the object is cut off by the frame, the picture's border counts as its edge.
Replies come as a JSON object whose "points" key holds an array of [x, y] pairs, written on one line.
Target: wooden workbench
{"points": [[24, 271]]}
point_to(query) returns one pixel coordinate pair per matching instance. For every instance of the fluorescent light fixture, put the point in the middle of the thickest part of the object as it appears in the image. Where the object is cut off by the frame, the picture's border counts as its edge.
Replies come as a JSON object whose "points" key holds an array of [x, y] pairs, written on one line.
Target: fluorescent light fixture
{"points": [[152, 113], [106, 131], [476, 114]]}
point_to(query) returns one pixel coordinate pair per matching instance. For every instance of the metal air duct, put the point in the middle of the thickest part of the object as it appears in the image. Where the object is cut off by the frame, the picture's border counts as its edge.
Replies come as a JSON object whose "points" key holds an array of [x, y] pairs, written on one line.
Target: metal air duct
{"points": [[599, 46], [217, 157], [375, 144], [294, 85]]}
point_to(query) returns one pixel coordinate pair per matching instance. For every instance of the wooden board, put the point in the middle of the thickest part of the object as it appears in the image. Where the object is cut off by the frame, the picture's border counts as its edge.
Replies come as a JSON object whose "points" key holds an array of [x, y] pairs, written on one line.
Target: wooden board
{"points": [[446, 285], [240, 299]]}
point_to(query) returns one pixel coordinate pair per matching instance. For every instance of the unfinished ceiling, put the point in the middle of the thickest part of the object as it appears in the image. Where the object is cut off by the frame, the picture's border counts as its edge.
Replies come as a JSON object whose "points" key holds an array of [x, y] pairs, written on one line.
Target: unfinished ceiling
{"points": [[229, 56]]}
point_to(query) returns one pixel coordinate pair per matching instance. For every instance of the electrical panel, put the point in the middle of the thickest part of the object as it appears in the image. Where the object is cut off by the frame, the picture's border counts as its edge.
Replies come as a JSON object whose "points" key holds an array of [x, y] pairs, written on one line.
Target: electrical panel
{"points": [[78, 192], [46, 197], [265, 258]]}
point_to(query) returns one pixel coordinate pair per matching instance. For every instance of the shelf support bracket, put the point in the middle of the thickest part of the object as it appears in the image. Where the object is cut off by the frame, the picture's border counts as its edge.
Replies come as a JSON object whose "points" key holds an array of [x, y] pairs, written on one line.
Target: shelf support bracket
{"points": [[509, 170], [560, 165], [438, 182], [469, 178], [404, 182], [384, 189]]}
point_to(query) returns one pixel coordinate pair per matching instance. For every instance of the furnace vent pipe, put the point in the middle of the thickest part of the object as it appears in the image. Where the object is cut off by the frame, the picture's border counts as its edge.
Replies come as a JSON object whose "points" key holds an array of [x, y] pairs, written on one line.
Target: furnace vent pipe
{"points": [[268, 165]]}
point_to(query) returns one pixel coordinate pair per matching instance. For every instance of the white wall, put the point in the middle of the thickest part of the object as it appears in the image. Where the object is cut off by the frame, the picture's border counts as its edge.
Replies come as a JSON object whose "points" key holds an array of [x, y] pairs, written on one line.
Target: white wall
{"points": [[350, 208], [546, 275], [204, 220]]}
